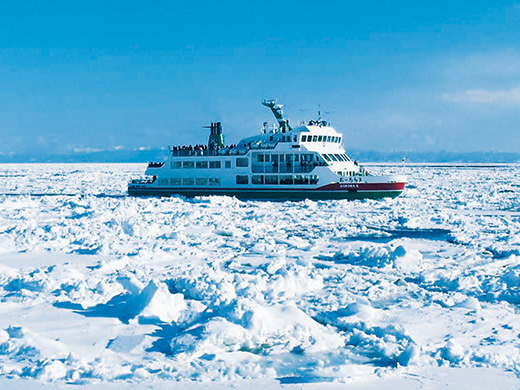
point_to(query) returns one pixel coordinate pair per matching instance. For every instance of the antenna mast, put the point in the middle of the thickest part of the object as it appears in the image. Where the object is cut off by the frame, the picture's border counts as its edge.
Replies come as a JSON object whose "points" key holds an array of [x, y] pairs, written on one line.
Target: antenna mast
{"points": [[278, 114]]}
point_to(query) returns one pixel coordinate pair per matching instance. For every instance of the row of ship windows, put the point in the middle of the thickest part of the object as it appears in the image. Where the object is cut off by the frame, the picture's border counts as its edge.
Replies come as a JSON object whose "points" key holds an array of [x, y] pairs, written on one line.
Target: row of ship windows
{"points": [[240, 162], [336, 157], [243, 162], [257, 157], [321, 138], [277, 179], [190, 181], [267, 157], [241, 179]]}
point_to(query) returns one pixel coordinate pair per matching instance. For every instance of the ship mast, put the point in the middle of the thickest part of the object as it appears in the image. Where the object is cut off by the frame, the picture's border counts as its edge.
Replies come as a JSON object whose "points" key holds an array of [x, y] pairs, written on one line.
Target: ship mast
{"points": [[278, 114]]}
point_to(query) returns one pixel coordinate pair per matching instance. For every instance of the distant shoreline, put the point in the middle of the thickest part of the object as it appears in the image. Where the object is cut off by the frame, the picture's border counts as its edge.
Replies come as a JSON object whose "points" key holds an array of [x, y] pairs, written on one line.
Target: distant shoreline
{"points": [[363, 156]]}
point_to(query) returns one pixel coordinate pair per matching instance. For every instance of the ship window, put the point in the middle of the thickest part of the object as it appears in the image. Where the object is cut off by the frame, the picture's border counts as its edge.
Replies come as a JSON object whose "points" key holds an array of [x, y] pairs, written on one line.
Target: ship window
{"points": [[326, 157], [304, 138], [214, 181], [343, 157], [315, 138], [333, 157], [297, 158], [289, 158], [313, 179], [271, 179], [267, 158], [242, 162], [338, 157], [228, 164], [327, 139], [188, 181], [201, 181], [286, 179], [175, 164], [282, 156], [339, 140], [257, 179], [188, 164], [214, 164], [175, 181], [295, 138], [259, 157], [202, 164], [274, 158], [242, 179], [301, 180], [320, 138], [346, 157], [163, 182]]}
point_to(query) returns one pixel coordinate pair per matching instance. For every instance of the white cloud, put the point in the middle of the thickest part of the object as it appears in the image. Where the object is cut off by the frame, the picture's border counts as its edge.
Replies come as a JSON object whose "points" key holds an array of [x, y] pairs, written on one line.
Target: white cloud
{"points": [[87, 150], [97, 150], [497, 65], [485, 96]]}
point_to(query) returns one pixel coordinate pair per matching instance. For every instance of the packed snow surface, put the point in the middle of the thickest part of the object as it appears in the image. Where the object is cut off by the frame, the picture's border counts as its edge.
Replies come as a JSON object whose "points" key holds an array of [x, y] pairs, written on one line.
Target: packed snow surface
{"points": [[99, 287]]}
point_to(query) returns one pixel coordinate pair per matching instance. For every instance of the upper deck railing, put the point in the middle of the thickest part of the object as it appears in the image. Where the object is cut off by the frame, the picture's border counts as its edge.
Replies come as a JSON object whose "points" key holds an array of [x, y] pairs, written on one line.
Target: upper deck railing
{"points": [[232, 150]]}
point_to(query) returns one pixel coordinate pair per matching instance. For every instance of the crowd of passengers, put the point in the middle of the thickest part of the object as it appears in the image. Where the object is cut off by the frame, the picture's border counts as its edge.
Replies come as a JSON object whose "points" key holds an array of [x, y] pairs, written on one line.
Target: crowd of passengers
{"points": [[201, 150]]}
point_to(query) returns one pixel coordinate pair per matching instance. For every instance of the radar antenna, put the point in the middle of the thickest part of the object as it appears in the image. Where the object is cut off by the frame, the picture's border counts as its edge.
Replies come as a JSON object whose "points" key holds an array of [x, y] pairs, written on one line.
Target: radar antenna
{"points": [[278, 114]]}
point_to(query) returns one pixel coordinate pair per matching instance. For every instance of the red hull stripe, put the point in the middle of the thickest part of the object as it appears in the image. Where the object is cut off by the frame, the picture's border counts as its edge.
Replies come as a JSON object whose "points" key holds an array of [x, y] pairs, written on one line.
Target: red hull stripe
{"points": [[363, 187]]}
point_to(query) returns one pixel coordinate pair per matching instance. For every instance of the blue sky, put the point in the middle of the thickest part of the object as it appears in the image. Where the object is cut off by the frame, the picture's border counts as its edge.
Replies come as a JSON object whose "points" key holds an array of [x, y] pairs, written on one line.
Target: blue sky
{"points": [[394, 75]]}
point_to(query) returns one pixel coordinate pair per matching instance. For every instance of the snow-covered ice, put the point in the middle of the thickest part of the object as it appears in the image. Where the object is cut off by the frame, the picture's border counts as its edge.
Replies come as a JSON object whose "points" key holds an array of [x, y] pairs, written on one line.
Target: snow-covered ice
{"points": [[101, 289]]}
